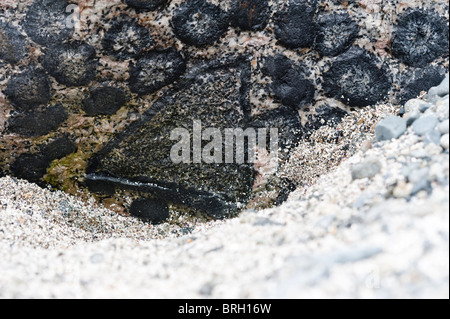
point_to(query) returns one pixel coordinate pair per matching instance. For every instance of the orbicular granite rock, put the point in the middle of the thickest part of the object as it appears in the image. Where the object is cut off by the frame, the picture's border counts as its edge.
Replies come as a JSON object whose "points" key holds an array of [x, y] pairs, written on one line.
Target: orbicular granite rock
{"points": [[138, 158], [91, 92]]}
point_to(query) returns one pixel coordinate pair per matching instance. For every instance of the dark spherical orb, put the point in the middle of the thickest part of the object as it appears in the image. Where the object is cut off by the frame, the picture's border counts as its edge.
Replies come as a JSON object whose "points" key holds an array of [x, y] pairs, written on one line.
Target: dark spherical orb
{"points": [[30, 167], [336, 34], [48, 22], [250, 15], [155, 70], [289, 83], [104, 101], [420, 38], [71, 64], [126, 39], [356, 80], [37, 122], [150, 210], [295, 26], [199, 23], [12, 44], [58, 148], [29, 88], [419, 80]]}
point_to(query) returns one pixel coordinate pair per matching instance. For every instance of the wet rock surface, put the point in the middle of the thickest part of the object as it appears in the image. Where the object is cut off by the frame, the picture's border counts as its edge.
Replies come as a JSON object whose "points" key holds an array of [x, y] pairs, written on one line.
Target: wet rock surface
{"points": [[116, 76], [379, 222], [139, 154]]}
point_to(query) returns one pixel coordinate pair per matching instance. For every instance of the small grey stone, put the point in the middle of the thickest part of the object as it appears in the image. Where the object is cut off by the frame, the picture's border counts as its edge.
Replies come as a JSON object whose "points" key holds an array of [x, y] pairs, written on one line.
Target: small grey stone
{"points": [[442, 108], [363, 200], [432, 137], [409, 169], [417, 105], [207, 289], [440, 90], [420, 180], [425, 124], [444, 127], [423, 185], [445, 141], [97, 259], [420, 154], [261, 221], [418, 174], [390, 128], [326, 222], [425, 106], [411, 117], [367, 169]]}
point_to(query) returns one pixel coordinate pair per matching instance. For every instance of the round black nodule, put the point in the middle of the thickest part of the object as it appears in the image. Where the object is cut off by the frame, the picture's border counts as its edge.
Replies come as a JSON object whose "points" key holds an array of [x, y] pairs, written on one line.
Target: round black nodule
{"points": [[336, 34], [12, 44], [73, 64], [155, 70], [325, 115], [104, 101], [295, 26], [58, 148], [48, 22], [37, 122], [126, 39], [420, 38], [420, 80], [289, 83], [28, 89], [150, 210], [356, 80], [199, 23], [250, 15], [30, 167]]}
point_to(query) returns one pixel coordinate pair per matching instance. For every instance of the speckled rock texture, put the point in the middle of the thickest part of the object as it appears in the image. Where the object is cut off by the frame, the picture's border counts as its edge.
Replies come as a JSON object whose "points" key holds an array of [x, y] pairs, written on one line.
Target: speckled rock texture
{"points": [[90, 90]]}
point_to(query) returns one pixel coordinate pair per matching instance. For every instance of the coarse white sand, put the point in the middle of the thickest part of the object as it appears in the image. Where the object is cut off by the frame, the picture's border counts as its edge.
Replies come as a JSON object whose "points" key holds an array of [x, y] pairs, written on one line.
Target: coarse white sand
{"points": [[338, 239]]}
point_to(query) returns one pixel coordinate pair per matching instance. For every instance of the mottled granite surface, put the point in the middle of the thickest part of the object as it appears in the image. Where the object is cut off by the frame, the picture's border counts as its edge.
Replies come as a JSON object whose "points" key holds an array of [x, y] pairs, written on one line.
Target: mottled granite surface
{"points": [[90, 90]]}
